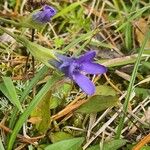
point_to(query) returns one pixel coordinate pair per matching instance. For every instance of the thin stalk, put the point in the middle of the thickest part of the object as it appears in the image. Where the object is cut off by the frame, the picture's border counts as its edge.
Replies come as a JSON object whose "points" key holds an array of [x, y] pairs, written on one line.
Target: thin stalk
{"points": [[32, 40], [33, 62], [131, 85]]}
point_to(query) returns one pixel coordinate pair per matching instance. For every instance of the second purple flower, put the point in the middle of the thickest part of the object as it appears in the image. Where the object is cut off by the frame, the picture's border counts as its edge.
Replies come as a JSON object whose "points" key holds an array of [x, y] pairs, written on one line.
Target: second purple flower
{"points": [[44, 15]]}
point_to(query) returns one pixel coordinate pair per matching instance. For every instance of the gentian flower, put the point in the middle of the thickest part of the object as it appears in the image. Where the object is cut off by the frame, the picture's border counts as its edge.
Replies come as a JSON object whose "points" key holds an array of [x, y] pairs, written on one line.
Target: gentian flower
{"points": [[44, 15], [77, 68]]}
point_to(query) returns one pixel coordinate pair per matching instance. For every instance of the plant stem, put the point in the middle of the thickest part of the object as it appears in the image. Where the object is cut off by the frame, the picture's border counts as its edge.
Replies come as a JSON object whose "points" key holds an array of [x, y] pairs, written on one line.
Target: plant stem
{"points": [[33, 65], [130, 88], [32, 40]]}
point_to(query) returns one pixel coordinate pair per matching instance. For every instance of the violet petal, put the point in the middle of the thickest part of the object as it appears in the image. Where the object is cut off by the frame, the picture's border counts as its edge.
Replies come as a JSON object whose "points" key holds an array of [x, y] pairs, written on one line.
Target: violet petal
{"points": [[44, 15], [64, 58], [89, 56], [93, 68], [84, 83]]}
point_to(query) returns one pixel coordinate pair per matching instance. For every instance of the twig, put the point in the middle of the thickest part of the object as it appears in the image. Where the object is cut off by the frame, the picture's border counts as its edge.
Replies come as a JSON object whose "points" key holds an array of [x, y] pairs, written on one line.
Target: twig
{"points": [[22, 138], [68, 109], [144, 141]]}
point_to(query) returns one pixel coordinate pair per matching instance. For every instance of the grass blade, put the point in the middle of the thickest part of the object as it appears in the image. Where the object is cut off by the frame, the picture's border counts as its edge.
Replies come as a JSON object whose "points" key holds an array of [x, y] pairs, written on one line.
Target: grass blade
{"points": [[69, 8], [29, 109], [131, 85], [25, 93], [78, 40], [136, 15], [11, 92]]}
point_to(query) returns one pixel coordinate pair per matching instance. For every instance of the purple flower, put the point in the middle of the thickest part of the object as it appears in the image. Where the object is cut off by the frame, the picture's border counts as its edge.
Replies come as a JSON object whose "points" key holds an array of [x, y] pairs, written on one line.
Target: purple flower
{"points": [[77, 68], [44, 15]]}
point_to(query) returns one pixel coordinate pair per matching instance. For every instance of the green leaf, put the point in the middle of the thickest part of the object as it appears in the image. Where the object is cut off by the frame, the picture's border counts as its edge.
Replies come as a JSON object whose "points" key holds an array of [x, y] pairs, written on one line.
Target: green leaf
{"points": [[112, 145], [50, 83], [38, 76], [59, 136], [146, 64], [9, 91], [62, 90], [39, 52], [71, 144], [42, 114], [54, 102], [95, 147], [58, 42], [4, 90], [142, 92], [105, 90], [98, 103]]}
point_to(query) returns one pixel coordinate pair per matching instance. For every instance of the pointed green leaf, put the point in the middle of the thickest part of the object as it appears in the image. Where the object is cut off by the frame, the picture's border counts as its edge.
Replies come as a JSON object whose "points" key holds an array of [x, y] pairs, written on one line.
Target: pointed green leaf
{"points": [[71, 144], [98, 103], [50, 83], [112, 145], [62, 90], [9, 91], [146, 64], [29, 85], [105, 90], [55, 102], [142, 92], [59, 136], [39, 52], [42, 113], [95, 147], [4, 90]]}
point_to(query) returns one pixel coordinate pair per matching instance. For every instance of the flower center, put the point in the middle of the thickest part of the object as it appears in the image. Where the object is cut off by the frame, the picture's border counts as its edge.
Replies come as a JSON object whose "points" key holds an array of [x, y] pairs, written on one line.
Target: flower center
{"points": [[76, 67]]}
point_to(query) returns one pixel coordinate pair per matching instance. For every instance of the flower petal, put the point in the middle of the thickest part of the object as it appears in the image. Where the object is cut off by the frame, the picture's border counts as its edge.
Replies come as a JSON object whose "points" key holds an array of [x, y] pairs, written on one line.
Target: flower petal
{"points": [[44, 15], [50, 9], [93, 68], [84, 83], [89, 56], [63, 58]]}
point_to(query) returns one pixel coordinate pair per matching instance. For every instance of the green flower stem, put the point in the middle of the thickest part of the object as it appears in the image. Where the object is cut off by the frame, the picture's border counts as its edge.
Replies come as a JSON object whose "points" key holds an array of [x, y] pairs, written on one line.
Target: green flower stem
{"points": [[131, 85]]}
